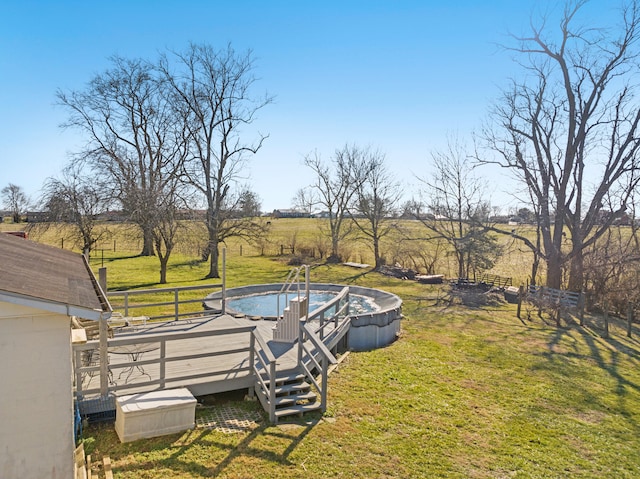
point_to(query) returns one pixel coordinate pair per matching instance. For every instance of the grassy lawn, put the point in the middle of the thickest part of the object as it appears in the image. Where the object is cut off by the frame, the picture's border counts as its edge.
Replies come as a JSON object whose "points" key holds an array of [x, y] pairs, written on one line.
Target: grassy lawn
{"points": [[464, 392]]}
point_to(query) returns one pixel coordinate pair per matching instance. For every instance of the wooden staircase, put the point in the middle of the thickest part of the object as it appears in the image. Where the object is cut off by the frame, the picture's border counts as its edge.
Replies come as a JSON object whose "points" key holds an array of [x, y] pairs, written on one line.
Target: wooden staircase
{"points": [[302, 389], [293, 395]]}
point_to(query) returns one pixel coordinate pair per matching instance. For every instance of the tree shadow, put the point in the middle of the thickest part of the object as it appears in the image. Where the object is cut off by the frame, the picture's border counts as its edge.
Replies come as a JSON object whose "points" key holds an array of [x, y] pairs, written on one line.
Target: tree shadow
{"points": [[232, 450], [595, 341]]}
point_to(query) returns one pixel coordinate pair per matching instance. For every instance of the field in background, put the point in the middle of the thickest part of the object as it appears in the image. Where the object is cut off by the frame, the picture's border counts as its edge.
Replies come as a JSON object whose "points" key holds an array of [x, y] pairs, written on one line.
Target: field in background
{"points": [[302, 237], [465, 392]]}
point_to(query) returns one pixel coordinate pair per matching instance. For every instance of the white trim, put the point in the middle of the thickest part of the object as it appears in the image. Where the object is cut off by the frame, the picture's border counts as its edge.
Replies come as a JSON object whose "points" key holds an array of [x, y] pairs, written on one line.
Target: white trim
{"points": [[54, 307]]}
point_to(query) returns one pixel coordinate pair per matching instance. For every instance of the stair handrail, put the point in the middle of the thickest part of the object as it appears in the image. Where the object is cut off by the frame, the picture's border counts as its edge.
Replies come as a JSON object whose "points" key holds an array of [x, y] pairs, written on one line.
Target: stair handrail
{"points": [[269, 366], [327, 359], [292, 277]]}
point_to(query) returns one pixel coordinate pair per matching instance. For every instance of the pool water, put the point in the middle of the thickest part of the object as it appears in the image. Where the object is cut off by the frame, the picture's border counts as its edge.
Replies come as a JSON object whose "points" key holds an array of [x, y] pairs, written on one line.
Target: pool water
{"points": [[266, 305]]}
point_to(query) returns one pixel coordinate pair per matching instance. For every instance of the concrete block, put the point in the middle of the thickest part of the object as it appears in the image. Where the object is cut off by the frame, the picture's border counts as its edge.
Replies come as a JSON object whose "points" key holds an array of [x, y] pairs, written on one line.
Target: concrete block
{"points": [[154, 414]]}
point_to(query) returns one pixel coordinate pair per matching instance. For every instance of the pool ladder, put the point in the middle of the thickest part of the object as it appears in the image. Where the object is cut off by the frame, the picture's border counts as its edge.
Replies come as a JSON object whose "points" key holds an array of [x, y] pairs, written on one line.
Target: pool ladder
{"points": [[293, 279]]}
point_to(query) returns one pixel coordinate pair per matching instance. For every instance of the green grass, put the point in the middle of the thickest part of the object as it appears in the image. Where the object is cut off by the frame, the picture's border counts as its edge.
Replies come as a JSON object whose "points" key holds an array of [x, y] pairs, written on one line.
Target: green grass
{"points": [[463, 393], [304, 233]]}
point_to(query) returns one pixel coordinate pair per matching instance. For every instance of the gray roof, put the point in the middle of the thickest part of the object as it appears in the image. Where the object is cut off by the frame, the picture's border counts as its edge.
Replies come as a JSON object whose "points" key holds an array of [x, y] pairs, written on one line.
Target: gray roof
{"points": [[48, 277]]}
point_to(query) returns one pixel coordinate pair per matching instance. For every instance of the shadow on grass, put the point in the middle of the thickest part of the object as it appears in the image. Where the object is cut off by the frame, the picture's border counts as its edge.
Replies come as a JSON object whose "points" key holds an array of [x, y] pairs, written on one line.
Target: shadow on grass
{"points": [[245, 447], [597, 342], [180, 458]]}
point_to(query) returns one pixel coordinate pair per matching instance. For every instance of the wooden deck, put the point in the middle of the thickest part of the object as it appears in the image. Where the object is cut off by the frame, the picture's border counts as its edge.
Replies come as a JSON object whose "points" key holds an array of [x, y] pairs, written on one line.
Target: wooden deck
{"points": [[207, 355], [213, 353]]}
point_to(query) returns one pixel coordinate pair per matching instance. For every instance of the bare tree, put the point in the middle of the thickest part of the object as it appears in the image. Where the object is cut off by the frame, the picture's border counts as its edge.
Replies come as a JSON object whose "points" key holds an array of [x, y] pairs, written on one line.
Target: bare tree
{"points": [[165, 228], [569, 131], [336, 185], [306, 200], [212, 91], [456, 210], [75, 199], [249, 204], [135, 140], [15, 200], [376, 205]]}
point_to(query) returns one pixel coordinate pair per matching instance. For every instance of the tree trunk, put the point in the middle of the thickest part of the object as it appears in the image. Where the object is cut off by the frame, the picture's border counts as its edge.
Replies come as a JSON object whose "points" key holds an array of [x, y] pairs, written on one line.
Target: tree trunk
{"points": [[213, 263], [334, 248], [147, 243], [163, 269], [576, 273], [376, 253], [534, 268], [460, 258], [554, 270]]}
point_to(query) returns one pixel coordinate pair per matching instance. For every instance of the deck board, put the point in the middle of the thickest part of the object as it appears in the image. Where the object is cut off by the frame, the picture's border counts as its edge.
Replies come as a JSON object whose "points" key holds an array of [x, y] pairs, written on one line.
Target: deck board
{"points": [[212, 366]]}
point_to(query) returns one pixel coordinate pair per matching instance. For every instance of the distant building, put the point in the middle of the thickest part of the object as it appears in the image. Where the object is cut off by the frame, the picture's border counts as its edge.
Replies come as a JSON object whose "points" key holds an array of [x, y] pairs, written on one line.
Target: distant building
{"points": [[290, 213], [37, 217]]}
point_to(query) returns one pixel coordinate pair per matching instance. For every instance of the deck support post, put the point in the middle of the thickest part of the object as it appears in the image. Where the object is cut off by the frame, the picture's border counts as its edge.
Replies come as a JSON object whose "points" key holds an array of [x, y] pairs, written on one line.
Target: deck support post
{"points": [[307, 290], [224, 281], [252, 361], [104, 356], [325, 379], [272, 392]]}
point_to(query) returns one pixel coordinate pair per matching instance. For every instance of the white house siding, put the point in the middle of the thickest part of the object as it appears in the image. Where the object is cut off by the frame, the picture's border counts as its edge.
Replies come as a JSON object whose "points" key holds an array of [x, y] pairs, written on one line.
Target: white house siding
{"points": [[36, 405]]}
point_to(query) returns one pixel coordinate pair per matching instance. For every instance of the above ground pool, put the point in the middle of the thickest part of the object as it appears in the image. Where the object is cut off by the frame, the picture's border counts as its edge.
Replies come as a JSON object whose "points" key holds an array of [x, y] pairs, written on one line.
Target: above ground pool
{"points": [[271, 305], [375, 314]]}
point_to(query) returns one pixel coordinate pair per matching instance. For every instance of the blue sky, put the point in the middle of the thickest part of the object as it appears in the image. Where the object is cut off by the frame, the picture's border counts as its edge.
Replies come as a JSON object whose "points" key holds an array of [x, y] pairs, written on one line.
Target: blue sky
{"points": [[398, 76]]}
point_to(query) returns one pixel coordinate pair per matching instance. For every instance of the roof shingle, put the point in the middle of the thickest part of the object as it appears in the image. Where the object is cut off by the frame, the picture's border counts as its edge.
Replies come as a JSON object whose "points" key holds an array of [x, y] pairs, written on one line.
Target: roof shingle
{"points": [[44, 272]]}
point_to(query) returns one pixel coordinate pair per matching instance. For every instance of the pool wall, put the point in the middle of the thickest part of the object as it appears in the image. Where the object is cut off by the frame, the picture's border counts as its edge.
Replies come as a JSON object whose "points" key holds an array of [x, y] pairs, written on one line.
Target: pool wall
{"points": [[368, 331]]}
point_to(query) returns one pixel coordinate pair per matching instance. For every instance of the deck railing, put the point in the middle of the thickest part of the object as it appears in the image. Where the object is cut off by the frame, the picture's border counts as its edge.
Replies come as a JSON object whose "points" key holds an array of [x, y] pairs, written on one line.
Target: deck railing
{"points": [[129, 308], [88, 363], [331, 313], [314, 356], [315, 361], [263, 364], [318, 334]]}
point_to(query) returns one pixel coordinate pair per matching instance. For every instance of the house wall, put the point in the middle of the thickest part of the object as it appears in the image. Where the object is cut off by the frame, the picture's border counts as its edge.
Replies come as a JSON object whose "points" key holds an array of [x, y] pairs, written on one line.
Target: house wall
{"points": [[36, 404]]}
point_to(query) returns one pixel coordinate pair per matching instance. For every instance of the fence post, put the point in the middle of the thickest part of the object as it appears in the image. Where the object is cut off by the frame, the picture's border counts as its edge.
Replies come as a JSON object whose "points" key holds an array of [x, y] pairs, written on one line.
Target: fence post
{"points": [[629, 318], [540, 295], [520, 295], [581, 301], [606, 320]]}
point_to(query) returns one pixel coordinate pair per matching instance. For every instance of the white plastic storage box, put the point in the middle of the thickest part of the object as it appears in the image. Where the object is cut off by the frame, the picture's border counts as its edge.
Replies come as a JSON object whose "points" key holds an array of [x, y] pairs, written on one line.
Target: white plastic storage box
{"points": [[154, 414]]}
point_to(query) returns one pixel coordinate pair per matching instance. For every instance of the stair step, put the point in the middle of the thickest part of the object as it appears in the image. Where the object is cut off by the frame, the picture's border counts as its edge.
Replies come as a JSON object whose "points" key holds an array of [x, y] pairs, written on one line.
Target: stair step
{"points": [[295, 398], [296, 388], [286, 379], [287, 389], [298, 409]]}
